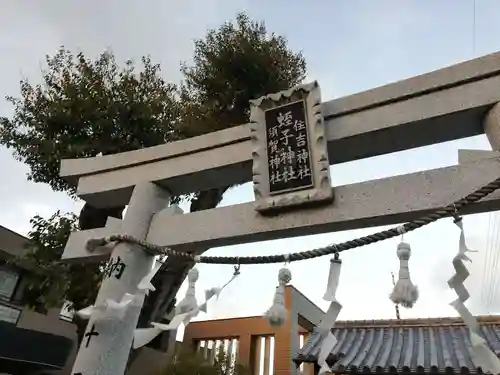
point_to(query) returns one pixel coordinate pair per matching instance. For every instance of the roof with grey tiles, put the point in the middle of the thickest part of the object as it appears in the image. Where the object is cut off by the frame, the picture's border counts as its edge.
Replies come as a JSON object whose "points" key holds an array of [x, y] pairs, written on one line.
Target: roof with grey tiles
{"points": [[388, 346]]}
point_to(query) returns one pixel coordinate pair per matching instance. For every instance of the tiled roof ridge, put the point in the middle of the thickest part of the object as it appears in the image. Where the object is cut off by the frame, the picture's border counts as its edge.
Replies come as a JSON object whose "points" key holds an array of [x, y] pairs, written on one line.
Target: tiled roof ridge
{"points": [[415, 322]]}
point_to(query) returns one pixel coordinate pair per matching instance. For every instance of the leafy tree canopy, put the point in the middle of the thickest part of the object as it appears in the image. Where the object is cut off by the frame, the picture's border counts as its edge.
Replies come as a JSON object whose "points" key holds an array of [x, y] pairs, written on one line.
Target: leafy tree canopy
{"points": [[232, 65], [85, 107], [53, 282]]}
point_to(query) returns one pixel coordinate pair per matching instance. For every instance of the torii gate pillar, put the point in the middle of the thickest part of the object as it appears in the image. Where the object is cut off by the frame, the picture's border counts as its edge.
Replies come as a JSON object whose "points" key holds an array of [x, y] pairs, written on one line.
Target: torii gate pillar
{"points": [[492, 127], [107, 342]]}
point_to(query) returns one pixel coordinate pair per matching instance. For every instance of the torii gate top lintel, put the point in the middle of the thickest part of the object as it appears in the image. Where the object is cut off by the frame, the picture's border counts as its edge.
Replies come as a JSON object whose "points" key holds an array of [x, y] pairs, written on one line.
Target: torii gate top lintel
{"points": [[447, 104], [443, 105]]}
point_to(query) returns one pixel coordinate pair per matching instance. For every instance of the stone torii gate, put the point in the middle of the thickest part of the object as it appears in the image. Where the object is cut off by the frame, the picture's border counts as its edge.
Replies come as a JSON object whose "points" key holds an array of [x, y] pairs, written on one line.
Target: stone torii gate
{"points": [[451, 103]]}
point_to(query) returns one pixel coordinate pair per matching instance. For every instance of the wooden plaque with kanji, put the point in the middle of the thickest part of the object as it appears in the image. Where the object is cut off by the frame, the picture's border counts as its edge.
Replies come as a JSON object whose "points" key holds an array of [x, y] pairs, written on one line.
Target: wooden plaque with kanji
{"points": [[290, 158]]}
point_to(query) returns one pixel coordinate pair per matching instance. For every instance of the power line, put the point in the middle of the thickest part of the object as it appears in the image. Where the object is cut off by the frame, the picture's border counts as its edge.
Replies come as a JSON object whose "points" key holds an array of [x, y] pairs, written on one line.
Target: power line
{"points": [[486, 263], [473, 28], [494, 272], [491, 242], [491, 263], [488, 259]]}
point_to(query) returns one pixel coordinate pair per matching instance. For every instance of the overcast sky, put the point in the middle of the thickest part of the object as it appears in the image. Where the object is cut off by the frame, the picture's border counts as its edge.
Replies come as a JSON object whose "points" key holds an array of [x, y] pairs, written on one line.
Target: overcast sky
{"points": [[350, 46]]}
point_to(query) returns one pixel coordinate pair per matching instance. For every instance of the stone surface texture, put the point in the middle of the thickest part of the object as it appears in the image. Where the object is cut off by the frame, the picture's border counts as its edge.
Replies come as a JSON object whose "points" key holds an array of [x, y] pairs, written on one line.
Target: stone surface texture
{"points": [[440, 106], [107, 353], [387, 201]]}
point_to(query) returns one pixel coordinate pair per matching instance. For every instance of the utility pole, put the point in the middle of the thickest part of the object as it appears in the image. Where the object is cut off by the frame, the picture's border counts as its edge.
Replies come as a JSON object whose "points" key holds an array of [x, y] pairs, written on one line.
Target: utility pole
{"points": [[396, 306]]}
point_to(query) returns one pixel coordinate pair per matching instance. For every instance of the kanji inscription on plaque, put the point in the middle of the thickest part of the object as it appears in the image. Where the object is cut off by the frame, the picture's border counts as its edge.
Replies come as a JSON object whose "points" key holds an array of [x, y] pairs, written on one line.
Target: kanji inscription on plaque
{"points": [[289, 149], [288, 152]]}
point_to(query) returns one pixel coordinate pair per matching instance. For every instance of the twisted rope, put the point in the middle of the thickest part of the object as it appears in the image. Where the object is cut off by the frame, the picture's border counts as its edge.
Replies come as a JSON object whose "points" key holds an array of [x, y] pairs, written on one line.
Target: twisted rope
{"points": [[448, 211]]}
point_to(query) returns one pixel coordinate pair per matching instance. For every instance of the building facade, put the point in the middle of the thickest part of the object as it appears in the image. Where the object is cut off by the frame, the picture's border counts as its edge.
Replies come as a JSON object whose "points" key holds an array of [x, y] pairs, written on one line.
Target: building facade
{"points": [[45, 342], [254, 342], [424, 346], [30, 342]]}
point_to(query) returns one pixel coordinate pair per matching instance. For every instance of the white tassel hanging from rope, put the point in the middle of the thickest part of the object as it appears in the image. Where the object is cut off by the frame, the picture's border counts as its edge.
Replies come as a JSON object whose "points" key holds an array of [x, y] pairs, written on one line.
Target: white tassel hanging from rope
{"points": [[404, 292], [277, 313]]}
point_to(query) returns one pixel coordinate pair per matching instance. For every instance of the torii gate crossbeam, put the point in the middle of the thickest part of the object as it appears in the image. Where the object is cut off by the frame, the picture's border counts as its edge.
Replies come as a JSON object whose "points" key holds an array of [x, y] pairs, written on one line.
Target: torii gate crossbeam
{"points": [[436, 107]]}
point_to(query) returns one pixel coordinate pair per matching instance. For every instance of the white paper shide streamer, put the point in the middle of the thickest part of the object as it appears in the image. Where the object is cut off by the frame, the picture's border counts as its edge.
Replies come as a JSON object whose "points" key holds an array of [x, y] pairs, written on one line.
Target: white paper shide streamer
{"points": [[187, 309], [144, 336], [277, 313], [117, 310], [109, 309], [325, 328], [486, 359], [145, 284], [404, 292]]}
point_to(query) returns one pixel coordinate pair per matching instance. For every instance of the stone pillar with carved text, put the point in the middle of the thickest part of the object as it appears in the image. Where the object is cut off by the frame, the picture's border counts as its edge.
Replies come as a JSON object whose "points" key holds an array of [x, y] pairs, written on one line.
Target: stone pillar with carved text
{"points": [[107, 341], [290, 157]]}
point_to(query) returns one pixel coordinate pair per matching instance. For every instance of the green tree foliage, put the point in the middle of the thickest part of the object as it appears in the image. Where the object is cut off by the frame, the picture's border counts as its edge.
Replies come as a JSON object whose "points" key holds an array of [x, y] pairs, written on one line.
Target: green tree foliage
{"points": [[232, 64], [86, 107], [225, 364], [83, 108], [51, 282], [189, 363]]}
